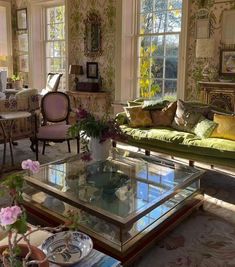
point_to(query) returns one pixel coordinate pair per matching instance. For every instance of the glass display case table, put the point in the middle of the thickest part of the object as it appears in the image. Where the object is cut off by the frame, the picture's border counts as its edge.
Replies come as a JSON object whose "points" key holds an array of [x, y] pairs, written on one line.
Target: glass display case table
{"points": [[124, 203]]}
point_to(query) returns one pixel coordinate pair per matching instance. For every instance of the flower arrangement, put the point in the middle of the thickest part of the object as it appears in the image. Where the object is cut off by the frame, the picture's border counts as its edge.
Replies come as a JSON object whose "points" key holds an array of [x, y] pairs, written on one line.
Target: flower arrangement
{"points": [[88, 125]]}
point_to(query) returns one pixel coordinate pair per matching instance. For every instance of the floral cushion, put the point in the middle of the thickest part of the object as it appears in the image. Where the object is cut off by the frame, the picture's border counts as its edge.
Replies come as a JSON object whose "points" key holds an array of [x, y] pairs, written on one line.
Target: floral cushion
{"points": [[204, 127]]}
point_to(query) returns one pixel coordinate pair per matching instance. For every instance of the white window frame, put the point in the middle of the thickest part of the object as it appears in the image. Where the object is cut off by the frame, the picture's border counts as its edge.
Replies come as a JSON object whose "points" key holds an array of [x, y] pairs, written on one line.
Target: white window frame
{"points": [[38, 75], [46, 41], [7, 5], [182, 49], [126, 52]]}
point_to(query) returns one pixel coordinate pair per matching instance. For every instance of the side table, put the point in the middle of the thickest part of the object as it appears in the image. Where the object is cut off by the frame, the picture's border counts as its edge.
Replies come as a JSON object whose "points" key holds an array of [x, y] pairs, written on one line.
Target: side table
{"points": [[7, 120]]}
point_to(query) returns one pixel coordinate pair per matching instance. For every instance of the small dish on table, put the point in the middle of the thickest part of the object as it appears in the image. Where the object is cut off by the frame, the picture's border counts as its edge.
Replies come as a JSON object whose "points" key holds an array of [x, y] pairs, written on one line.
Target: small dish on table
{"points": [[67, 248]]}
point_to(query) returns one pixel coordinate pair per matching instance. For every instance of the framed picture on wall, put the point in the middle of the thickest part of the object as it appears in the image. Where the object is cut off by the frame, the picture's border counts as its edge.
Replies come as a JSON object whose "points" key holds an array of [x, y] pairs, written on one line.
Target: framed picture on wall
{"points": [[92, 70], [21, 19], [23, 42], [202, 29], [24, 63], [227, 62]]}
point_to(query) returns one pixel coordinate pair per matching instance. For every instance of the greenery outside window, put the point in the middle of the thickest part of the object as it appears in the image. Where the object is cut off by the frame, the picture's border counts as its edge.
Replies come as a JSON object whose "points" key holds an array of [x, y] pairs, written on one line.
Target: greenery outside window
{"points": [[55, 41], [158, 36]]}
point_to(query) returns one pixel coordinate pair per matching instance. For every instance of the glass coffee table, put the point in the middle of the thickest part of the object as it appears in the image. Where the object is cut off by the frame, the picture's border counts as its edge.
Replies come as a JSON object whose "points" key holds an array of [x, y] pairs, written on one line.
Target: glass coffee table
{"points": [[124, 203]]}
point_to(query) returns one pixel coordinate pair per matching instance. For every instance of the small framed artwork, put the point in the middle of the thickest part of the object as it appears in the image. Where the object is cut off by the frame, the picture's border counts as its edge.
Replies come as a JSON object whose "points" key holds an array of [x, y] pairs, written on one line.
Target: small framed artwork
{"points": [[227, 62], [202, 29], [92, 70], [23, 42], [21, 18], [24, 63]]}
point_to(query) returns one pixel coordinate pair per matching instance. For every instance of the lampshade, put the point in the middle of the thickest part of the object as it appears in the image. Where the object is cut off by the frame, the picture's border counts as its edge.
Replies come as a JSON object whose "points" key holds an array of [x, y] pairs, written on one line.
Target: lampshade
{"points": [[76, 69], [205, 48]]}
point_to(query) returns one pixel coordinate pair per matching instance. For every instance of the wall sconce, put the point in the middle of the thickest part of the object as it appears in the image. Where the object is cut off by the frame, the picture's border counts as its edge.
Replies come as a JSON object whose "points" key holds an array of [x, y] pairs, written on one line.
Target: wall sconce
{"points": [[76, 70]]}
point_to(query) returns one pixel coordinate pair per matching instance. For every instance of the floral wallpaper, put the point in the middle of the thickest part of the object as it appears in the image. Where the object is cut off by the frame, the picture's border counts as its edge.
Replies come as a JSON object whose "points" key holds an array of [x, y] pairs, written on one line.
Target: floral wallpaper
{"points": [[77, 13], [196, 65]]}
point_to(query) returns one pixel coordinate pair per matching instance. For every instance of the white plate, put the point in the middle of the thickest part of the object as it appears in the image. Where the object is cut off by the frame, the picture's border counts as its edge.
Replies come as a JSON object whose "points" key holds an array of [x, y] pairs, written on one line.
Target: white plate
{"points": [[79, 246]]}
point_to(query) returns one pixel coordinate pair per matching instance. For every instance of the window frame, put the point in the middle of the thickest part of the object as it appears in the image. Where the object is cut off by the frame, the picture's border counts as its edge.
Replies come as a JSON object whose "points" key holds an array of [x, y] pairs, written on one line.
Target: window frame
{"points": [[180, 91], [46, 41]]}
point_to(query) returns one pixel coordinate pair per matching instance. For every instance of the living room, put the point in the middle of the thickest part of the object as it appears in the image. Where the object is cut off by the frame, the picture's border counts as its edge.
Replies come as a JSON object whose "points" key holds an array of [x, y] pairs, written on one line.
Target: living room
{"points": [[165, 69]]}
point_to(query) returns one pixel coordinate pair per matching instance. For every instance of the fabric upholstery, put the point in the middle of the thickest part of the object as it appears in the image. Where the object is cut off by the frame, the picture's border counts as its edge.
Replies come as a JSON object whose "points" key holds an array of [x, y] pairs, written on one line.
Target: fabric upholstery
{"points": [[52, 84], [185, 117], [55, 107], [53, 132], [225, 128], [165, 116], [138, 117], [204, 127]]}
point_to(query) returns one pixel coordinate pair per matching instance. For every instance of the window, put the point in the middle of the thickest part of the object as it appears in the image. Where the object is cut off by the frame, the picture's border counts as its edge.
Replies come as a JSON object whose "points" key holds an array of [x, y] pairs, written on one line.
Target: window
{"points": [[55, 41], [158, 37], [5, 38]]}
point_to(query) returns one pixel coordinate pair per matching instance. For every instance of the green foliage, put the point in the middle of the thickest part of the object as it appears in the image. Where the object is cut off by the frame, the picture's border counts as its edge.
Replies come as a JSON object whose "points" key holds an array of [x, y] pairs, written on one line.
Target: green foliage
{"points": [[147, 88], [16, 77]]}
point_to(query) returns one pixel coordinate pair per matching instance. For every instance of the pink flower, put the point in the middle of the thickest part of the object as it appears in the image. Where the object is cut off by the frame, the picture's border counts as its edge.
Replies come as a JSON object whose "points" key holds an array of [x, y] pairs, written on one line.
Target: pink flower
{"points": [[31, 165], [9, 215], [82, 114]]}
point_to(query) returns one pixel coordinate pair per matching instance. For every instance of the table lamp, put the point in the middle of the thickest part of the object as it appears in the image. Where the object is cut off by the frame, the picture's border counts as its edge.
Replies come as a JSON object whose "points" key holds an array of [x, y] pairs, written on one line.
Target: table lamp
{"points": [[205, 48], [76, 70]]}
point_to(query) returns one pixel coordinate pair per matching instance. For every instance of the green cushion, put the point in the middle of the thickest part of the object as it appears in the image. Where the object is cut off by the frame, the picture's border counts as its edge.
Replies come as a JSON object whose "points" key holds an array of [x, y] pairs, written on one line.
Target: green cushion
{"points": [[121, 118], [155, 104], [204, 127]]}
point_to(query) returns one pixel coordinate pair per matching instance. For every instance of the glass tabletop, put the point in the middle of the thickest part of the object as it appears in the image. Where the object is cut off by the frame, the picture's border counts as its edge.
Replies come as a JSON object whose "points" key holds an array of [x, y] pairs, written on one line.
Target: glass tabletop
{"points": [[124, 187]]}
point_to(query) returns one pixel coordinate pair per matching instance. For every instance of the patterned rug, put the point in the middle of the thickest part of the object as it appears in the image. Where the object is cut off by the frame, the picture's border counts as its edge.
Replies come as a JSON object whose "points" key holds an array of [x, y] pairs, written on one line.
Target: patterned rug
{"points": [[205, 239]]}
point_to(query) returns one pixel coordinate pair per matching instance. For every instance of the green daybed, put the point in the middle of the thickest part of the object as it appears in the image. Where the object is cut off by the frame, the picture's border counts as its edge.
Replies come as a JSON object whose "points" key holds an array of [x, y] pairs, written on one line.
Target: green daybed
{"points": [[166, 140]]}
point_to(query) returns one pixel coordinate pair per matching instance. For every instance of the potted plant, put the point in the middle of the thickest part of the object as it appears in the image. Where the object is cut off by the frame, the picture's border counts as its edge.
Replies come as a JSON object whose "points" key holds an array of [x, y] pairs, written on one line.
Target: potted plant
{"points": [[96, 134], [17, 81]]}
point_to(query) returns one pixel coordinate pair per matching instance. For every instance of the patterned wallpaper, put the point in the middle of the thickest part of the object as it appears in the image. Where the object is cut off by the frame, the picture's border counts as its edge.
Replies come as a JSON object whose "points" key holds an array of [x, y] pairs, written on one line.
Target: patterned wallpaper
{"points": [[195, 65], [77, 12]]}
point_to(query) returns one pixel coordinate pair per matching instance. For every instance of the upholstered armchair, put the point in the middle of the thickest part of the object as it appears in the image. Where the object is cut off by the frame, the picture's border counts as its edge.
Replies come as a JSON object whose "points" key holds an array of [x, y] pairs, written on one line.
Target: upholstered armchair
{"points": [[55, 109]]}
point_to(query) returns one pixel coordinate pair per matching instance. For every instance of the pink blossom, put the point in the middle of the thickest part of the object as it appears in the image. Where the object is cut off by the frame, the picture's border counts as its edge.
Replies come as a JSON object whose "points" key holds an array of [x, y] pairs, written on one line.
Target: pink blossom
{"points": [[31, 165], [9, 215]]}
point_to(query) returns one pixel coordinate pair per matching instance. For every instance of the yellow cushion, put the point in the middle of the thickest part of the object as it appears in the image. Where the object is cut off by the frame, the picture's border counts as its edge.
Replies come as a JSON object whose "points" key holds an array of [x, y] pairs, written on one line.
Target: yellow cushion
{"points": [[225, 128], [138, 117]]}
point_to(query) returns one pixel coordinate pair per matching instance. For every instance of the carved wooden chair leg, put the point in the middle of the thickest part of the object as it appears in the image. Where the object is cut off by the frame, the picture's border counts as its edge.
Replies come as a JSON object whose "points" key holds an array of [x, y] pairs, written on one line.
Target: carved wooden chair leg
{"points": [[114, 143], [69, 148], [78, 145], [36, 149], [44, 146], [191, 163], [147, 152]]}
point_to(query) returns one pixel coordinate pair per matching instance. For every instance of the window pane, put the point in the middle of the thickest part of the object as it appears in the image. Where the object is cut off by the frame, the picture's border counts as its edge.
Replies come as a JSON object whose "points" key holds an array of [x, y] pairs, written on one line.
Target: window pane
{"points": [[157, 68], [158, 93], [145, 44], [158, 42], [171, 68], [146, 6], [159, 22], [175, 4], [145, 64], [174, 21], [59, 13], [50, 16], [170, 89], [146, 23], [160, 5], [57, 51], [172, 45]]}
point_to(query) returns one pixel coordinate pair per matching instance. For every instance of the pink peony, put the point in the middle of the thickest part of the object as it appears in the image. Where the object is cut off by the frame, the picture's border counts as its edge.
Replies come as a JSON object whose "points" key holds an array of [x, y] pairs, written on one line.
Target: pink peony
{"points": [[9, 215], [31, 165]]}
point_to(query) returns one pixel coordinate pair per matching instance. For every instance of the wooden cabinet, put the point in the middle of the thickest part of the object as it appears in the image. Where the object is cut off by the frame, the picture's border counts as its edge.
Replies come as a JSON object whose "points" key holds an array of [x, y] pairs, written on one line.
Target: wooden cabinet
{"points": [[219, 94], [98, 103]]}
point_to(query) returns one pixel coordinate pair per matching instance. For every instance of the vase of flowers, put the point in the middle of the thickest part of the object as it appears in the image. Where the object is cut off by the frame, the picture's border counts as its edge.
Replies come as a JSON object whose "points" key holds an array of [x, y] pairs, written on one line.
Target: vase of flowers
{"points": [[96, 134]]}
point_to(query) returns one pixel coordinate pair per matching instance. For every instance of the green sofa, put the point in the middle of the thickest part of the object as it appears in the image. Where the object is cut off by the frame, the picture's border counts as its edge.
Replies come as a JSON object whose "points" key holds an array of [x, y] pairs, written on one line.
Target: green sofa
{"points": [[213, 151]]}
